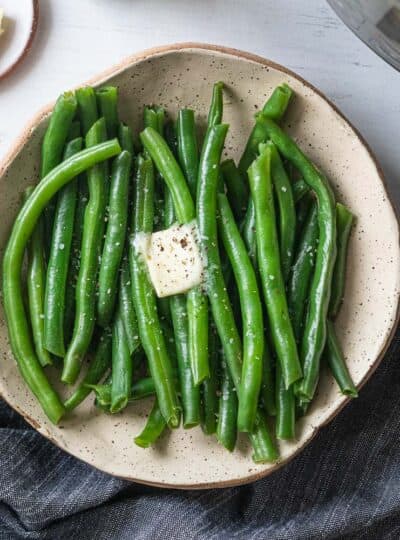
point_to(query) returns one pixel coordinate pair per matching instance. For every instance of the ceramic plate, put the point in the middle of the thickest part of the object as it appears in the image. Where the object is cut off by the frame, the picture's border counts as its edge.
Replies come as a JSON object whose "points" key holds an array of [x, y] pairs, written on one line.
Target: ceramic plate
{"points": [[182, 76], [20, 23]]}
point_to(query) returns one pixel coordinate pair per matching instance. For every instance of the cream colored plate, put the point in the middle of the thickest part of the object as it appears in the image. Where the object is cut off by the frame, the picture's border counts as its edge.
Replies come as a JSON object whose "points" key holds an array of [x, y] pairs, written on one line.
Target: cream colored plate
{"points": [[182, 76]]}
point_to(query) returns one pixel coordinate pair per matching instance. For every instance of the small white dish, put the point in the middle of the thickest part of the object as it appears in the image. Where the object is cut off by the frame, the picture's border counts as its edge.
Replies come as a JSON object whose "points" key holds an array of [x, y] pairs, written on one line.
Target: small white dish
{"points": [[20, 19]]}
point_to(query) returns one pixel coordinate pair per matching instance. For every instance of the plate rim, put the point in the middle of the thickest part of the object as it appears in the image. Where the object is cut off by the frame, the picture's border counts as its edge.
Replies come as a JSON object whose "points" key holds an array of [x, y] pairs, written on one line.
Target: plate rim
{"points": [[21, 140], [28, 45]]}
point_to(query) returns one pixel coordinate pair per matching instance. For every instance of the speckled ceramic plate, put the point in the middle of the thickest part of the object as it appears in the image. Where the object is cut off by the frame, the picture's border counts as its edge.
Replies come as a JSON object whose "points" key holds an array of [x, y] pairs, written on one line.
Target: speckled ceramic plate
{"points": [[182, 75]]}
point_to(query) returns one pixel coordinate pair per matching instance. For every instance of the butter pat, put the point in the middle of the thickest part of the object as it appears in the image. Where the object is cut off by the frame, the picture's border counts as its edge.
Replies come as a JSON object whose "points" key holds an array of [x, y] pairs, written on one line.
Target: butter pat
{"points": [[173, 259]]}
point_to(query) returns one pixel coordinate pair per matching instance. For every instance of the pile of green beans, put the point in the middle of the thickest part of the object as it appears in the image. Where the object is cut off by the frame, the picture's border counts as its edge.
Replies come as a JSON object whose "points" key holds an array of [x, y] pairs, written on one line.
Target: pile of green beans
{"points": [[239, 352]]}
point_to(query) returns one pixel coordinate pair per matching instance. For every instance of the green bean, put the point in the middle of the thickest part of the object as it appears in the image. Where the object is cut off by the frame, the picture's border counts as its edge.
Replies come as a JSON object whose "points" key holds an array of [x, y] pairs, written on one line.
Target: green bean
{"points": [[185, 212], [197, 305], [98, 367], [102, 395], [75, 256], [169, 169], [150, 331], [154, 117], [190, 394], [57, 269], [287, 212], [54, 142], [301, 407], [197, 308], [302, 270], [198, 331], [235, 301], [89, 264], [249, 232], [153, 429], [69, 309], [237, 190], [169, 212], [161, 119], [278, 102], [187, 148], [87, 108], [251, 313], [333, 352], [150, 117], [115, 237], [209, 387], [302, 212], [298, 290], [128, 313], [227, 411], [216, 288], [268, 386], [274, 108], [216, 107], [225, 266], [263, 445], [270, 268], [12, 262], [87, 112], [344, 222], [314, 335], [122, 366], [334, 356], [107, 101], [36, 275], [300, 189], [125, 138], [285, 408], [140, 389]]}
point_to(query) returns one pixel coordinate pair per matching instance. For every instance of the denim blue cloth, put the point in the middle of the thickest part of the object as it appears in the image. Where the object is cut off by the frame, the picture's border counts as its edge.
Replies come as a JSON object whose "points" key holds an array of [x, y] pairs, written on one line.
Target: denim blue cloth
{"points": [[345, 484]]}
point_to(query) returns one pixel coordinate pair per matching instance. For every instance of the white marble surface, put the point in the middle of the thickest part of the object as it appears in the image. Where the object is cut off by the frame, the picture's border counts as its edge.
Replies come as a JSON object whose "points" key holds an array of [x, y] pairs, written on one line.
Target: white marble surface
{"points": [[78, 38]]}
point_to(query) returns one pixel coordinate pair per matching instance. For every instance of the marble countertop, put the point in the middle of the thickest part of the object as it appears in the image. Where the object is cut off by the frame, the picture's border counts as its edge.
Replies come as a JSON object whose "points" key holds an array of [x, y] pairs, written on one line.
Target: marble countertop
{"points": [[79, 38]]}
